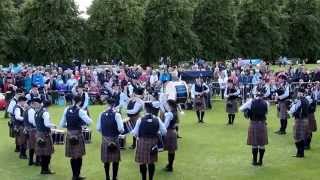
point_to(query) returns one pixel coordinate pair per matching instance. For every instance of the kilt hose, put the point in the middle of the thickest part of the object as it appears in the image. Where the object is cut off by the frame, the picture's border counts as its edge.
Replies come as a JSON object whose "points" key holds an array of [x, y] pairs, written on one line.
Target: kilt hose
{"points": [[143, 152], [47, 149], [199, 103], [108, 156], [21, 136], [257, 133], [299, 129], [232, 106], [171, 141], [32, 138], [75, 151], [282, 110]]}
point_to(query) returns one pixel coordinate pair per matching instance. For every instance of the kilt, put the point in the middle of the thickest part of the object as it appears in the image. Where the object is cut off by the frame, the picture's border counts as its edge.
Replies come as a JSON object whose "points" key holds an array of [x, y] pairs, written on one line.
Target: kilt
{"points": [[257, 133], [312, 123], [21, 136], [75, 151], [143, 152], [171, 141], [231, 106], [11, 129], [299, 129], [282, 110], [199, 103], [48, 149], [110, 156], [32, 138]]}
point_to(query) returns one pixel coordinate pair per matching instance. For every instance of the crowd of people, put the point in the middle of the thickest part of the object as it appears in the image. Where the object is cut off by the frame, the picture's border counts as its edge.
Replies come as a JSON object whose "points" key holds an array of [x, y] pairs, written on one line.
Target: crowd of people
{"points": [[131, 90]]}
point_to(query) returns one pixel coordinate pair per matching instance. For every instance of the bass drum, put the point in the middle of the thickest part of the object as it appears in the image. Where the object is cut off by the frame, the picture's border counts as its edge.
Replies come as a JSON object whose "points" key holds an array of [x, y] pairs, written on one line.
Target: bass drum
{"points": [[177, 91]]}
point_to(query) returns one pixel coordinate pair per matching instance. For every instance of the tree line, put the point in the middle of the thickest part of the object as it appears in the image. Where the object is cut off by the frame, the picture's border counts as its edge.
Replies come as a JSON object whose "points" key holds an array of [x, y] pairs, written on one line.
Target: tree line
{"points": [[142, 31]]}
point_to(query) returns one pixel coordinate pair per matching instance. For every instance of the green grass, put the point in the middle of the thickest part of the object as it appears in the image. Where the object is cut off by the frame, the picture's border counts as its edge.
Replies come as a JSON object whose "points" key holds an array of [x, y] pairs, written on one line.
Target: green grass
{"points": [[212, 151]]}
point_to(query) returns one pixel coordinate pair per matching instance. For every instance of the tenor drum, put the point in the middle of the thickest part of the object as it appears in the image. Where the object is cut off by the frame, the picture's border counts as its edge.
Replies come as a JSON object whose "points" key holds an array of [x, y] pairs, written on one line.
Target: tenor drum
{"points": [[122, 141], [177, 91], [58, 136], [128, 126], [87, 135]]}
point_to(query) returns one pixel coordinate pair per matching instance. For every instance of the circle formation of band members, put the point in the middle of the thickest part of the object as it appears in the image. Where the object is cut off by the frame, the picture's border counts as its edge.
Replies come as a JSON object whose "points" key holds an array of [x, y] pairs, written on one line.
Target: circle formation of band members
{"points": [[153, 120]]}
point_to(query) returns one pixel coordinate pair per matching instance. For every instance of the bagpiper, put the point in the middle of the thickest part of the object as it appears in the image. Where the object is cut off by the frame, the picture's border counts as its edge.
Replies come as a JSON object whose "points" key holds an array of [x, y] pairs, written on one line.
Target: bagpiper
{"points": [[232, 94]]}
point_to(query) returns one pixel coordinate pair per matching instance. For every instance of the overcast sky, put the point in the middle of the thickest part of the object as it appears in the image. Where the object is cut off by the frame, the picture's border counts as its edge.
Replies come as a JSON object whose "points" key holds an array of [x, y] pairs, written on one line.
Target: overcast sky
{"points": [[83, 5]]}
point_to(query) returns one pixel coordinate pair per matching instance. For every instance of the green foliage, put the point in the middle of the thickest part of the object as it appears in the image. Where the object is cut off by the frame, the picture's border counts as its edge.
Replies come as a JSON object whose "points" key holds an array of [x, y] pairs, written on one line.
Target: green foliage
{"points": [[168, 31], [259, 29], [8, 21], [116, 30], [304, 28], [52, 30], [215, 24]]}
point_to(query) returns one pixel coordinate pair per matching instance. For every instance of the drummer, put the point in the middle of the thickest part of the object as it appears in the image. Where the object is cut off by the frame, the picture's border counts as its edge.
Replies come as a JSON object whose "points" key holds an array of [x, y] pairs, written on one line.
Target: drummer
{"points": [[198, 92], [135, 106], [73, 119], [146, 131]]}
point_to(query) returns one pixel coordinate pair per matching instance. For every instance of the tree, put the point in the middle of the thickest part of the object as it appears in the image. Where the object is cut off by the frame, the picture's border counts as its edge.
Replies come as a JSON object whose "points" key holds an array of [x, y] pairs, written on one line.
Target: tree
{"points": [[259, 31], [215, 25], [51, 28], [8, 23], [304, 29], [116, 30], [168, 31]]}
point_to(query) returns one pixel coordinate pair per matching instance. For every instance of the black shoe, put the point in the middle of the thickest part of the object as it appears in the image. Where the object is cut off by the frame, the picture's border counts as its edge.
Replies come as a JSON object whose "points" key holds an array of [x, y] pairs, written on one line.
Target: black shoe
{"points": [[78, 178], [254, 163], [259, 163], [37, 163], [307, 147], [168, 168], [23, 157], [31, 163], [114, 178], [179, 137], [298, 156], [49, 172], [280, 132], [17, 150], [132, 147]]}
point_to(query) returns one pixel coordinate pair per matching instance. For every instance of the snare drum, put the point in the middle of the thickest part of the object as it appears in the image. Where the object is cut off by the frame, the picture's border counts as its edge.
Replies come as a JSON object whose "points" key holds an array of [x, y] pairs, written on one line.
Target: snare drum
{"points": [[87, 135], [122, 141], [177, 91], [128, 126], [58, 136]]}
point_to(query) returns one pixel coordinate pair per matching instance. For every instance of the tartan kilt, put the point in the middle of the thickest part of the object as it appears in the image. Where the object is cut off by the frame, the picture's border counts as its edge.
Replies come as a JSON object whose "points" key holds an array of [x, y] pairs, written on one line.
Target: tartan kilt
{"points": [[199, 103], [282, 110], [48, 149], [106, 155], [32, 138], [257, 133], [299, 129], [12, 134], [171, 141], [231, 106], [75, 151], [143, 152], [312, 123], [21, 136]]}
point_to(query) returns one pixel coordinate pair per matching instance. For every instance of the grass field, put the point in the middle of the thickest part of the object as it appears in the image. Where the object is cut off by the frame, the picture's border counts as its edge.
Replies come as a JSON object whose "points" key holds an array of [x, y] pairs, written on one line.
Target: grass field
{"points": [[276, 68], [210, 151]]}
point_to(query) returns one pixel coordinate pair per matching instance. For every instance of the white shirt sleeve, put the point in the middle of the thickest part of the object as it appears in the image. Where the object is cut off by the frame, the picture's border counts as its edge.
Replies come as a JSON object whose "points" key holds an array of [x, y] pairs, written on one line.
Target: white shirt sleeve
{"points": [[31, 115], [47, 121], [295, 107], [119, 122], [11, 106], [84, 116], [137, 107], [135, 131], [17, 114], [168, 117], [98, 127], [246, 105], [86, 101], [208, 90], [162, 128], [63, 120]]}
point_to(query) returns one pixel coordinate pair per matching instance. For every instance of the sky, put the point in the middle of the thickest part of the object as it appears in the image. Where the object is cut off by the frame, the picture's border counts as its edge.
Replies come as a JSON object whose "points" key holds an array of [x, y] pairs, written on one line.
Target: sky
{"points": [[83, 5]]}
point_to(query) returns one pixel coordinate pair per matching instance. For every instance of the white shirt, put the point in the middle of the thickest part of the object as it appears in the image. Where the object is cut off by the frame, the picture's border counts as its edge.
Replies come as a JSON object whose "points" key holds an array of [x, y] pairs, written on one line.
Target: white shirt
{"points": [[231, 94], [82, 114], [118, 119], [31, 116], [285, 94], [47, 121], [11, 106], [162, 128], [153, 79], [18, 114], [248, 105], [194, 92], [168, 117]]}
